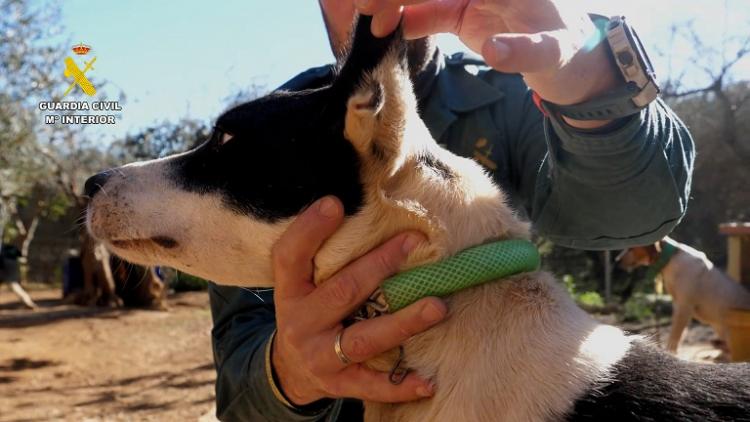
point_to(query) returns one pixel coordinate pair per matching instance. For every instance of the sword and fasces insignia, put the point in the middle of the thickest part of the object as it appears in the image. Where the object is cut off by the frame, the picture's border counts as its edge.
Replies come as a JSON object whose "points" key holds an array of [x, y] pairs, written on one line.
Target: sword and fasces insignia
{"points": [[79, 77], [78, 74]]}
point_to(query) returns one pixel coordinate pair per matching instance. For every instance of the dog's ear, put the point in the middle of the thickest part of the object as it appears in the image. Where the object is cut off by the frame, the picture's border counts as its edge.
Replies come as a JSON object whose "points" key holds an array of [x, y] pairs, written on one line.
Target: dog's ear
{"points": [[362, 111], [380, 96]]}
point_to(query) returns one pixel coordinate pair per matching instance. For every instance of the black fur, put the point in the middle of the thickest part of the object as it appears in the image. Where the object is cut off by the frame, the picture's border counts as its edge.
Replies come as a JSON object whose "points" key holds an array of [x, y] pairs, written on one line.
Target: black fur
{"points": [[288, 148], [650, 385], [430, 161], [286, 153]]}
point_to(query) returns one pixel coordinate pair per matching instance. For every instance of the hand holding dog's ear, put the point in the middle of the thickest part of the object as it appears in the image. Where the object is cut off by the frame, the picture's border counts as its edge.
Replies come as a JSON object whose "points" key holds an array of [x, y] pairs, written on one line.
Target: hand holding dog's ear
{"points": [[545, 40], [309, 318]]}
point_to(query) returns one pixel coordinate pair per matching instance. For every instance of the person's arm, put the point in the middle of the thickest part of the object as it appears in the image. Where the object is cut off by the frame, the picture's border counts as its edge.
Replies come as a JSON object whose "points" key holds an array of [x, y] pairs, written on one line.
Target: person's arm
{"points": [[615, 186], [621, 185], [243, 324]]}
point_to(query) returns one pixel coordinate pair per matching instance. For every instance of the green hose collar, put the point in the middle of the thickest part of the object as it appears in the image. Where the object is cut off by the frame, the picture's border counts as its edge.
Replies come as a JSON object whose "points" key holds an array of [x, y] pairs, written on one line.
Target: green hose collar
{"points": [[470, 267]]}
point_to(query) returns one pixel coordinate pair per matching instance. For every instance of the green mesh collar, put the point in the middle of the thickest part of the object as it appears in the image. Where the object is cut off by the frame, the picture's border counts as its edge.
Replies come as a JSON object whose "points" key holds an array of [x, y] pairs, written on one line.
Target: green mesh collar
{"points": [[667, 252], [470, 267]]}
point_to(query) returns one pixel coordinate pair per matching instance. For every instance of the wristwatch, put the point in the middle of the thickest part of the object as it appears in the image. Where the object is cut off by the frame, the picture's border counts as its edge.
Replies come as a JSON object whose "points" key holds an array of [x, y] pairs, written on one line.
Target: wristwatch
{"points": [[640, 86]]}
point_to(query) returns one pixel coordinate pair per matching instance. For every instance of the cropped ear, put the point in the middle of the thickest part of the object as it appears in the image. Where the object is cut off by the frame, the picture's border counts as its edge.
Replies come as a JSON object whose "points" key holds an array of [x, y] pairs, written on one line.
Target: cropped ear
{"points": [[379, 96], [362, 111]]}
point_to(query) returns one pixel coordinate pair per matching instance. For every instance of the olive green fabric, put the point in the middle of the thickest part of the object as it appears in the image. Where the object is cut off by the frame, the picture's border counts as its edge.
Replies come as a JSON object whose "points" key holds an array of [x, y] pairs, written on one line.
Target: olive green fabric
{"points": [[468, 268], [624, 185]]}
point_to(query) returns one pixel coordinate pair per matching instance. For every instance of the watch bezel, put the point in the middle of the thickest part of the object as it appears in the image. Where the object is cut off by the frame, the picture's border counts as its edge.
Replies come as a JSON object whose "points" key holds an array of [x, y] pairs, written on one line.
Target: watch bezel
{"points": [[642, 55], [632, 60]]}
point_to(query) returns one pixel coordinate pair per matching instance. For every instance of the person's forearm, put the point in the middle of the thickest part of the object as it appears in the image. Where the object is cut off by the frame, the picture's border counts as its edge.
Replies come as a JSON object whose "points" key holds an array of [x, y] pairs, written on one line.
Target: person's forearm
{"points": [[246, 391], [628, 186]]}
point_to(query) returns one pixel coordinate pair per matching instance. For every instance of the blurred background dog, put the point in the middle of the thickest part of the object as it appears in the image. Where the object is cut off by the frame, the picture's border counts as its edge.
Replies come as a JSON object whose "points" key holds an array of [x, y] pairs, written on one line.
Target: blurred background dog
{"points": [[699, 290]]}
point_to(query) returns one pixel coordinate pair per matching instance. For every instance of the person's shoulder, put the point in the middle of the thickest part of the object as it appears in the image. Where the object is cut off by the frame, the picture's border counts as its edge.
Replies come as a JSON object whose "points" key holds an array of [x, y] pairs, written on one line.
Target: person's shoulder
{"points": [[465, 58], [473, 64], [315, 77]]}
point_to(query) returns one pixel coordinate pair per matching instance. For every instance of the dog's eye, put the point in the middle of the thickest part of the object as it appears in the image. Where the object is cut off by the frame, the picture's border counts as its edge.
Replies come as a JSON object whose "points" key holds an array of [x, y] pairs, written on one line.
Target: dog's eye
{"points": [[225, 137]]}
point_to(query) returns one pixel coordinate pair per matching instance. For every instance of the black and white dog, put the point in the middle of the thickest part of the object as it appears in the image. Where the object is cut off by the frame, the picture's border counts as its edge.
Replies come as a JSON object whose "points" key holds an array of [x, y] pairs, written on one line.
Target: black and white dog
{"points": [[517, 349]]}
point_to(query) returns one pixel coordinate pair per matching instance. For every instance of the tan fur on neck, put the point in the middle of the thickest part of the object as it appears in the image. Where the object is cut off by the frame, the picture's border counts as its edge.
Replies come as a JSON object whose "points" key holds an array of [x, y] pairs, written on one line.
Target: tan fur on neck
{"points": [[400, 194]]}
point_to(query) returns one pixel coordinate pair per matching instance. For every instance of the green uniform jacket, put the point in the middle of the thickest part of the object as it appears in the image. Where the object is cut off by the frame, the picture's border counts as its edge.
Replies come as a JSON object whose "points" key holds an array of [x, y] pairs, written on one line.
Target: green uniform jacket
{"points": [[608, 189]]}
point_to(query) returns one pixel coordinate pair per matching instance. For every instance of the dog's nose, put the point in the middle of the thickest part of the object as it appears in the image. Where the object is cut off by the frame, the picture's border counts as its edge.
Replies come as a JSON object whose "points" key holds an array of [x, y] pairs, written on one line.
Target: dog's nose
{"points": [[95, 184]]}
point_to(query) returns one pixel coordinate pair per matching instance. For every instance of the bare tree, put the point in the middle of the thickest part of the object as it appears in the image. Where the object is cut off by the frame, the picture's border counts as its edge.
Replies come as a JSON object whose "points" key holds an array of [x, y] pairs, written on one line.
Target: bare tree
{"points": [[717, 63]]}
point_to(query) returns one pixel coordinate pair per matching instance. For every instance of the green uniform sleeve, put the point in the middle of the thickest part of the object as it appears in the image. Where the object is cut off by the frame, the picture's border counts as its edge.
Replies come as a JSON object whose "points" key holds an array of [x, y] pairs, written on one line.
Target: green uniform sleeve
{"points": [[627, 184], [245, 389], [623, 185]]}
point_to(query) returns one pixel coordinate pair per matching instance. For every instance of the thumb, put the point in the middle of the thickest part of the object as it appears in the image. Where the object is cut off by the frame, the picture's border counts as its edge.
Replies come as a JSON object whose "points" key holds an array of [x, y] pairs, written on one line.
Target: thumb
{"points": [[525, 53]]}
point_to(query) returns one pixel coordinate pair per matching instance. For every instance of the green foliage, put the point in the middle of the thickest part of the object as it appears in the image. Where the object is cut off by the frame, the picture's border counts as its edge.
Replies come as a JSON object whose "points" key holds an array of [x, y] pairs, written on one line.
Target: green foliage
{"points": [[58, 206], [183, 282], [590, 300], [570, 284], [637, 309]]}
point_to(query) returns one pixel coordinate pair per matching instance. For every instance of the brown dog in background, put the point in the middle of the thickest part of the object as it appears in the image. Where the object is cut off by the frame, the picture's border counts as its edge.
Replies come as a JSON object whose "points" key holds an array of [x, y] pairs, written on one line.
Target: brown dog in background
{"points": [[111, 281], [698, 289]]}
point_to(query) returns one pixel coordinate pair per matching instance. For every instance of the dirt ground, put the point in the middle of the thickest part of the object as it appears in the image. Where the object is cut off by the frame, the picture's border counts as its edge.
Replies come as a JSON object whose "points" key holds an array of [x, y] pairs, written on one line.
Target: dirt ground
{"points": [[67, 363]]}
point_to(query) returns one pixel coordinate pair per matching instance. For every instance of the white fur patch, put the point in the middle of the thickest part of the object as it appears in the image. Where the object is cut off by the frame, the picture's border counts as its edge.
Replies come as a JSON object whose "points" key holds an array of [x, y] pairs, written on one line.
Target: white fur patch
{"points": [[213, 242]]}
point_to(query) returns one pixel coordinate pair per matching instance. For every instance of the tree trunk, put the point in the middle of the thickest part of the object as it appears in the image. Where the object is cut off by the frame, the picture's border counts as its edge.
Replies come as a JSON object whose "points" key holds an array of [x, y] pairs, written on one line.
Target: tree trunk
{"points": [[27, 234], [30, 232]]}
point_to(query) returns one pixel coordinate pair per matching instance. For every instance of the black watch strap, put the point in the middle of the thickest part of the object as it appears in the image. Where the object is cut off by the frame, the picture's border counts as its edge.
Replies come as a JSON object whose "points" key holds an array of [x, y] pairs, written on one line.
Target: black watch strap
{"points": [[615, 104]]}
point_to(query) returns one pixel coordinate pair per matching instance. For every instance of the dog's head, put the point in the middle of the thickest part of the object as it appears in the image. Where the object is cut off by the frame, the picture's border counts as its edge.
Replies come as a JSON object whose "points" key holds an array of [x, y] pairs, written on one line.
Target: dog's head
{"points": [[216, 211], [639, 256]]}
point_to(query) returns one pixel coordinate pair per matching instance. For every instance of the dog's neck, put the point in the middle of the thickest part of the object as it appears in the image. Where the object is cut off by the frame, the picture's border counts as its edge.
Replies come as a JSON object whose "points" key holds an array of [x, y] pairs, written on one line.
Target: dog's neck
{"points": [[410, 182], [446, 197]]}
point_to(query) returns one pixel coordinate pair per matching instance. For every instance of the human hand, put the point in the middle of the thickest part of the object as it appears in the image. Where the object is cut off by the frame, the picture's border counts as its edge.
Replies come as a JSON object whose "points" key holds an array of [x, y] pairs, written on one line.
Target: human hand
{"points": [[309, 318], [551, 42]]}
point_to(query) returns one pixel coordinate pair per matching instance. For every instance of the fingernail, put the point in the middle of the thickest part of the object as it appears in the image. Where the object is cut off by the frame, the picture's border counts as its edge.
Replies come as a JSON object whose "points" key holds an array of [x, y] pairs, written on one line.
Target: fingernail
{"points": [[426, 390], [361, 3], [432, 313], [411, 242], [327, 207], [501, 50]]}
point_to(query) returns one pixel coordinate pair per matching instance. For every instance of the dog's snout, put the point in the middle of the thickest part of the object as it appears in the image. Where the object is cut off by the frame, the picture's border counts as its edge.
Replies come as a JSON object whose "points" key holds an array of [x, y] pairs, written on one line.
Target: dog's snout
{"points": [[95, 183]]}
